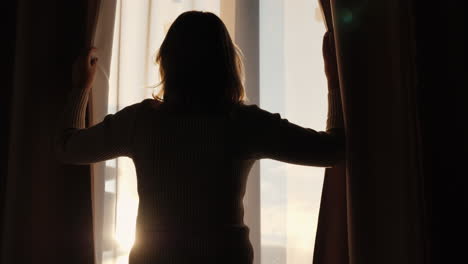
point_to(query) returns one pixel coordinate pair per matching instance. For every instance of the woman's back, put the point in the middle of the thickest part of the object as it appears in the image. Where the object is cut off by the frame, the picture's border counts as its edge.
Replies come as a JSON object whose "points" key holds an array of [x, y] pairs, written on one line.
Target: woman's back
{"points": [[189, 166], [191, 182]]}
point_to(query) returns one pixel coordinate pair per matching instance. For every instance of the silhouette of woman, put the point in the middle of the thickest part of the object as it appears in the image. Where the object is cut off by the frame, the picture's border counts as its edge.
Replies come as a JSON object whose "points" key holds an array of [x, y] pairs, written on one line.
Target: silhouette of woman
{"points": [[194, 144]]}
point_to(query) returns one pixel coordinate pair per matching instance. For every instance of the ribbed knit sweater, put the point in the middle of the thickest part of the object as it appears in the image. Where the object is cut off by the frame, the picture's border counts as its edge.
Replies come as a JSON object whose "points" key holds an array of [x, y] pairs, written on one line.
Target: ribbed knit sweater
{"points": [[192, 169]]}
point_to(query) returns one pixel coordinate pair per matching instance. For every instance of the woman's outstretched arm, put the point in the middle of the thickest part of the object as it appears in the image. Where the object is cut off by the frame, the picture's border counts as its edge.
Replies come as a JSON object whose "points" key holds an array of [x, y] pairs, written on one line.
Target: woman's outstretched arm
{"points": [[277, 138], [111, 138], [274, 137]]}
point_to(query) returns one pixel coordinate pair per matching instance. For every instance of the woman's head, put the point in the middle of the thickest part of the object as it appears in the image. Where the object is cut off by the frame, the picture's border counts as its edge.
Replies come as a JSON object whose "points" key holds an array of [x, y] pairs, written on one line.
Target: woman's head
{"points": [[198, 62]]}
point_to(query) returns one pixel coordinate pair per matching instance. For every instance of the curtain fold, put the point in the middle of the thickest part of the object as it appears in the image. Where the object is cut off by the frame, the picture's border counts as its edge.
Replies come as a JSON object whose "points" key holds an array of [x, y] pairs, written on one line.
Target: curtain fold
{"points": [[331, 242], [103, 202], [48, 210], [371, 209]]}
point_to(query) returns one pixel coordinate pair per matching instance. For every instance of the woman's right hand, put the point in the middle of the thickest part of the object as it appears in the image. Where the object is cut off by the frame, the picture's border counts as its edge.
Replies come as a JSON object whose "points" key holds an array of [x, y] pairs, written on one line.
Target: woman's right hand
{"points": [[84, 69], [330, 62]]}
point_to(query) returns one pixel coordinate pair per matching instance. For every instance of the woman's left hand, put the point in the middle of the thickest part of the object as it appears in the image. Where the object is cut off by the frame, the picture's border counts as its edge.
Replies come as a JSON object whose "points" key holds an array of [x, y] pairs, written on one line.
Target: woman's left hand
{"points": [[84, 70], [330, 61]]}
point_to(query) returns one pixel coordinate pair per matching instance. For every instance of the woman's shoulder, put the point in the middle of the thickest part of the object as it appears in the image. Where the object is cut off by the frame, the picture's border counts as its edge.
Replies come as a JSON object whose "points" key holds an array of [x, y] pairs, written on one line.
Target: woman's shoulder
{"points": [[253, 111], [151, 103], [244, 111], [244, 108]]}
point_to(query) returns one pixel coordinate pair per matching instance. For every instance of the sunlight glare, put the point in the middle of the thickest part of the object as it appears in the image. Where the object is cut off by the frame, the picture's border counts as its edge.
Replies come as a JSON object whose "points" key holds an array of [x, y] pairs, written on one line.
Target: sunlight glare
{"points": [[126, 213]]}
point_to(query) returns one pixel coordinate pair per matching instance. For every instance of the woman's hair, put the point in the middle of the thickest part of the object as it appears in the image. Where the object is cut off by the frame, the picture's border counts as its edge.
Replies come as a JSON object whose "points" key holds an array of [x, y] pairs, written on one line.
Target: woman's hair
{"points": [[199, 64]]}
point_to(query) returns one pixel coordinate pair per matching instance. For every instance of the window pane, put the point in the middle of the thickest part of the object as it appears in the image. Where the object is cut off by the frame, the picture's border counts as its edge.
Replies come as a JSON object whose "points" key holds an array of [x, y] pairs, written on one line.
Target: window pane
{"points": [[292, 83]]}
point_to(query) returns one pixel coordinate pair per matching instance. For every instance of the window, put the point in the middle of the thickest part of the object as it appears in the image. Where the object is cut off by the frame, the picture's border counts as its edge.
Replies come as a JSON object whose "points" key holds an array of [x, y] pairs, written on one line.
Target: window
{"points": [[282, 43], [292, 83]]}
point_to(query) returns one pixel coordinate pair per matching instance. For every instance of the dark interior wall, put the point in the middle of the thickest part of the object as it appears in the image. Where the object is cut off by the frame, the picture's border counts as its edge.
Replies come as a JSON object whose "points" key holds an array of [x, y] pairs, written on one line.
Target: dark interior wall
{"points": [[442, 85], [8, 43]]}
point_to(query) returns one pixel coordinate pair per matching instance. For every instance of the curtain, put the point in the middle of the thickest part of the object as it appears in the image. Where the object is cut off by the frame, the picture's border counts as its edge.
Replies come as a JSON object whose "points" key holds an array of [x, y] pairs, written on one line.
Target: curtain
{"points": [[331, 242], [371, 210], [47, 214], [103, 201]]}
